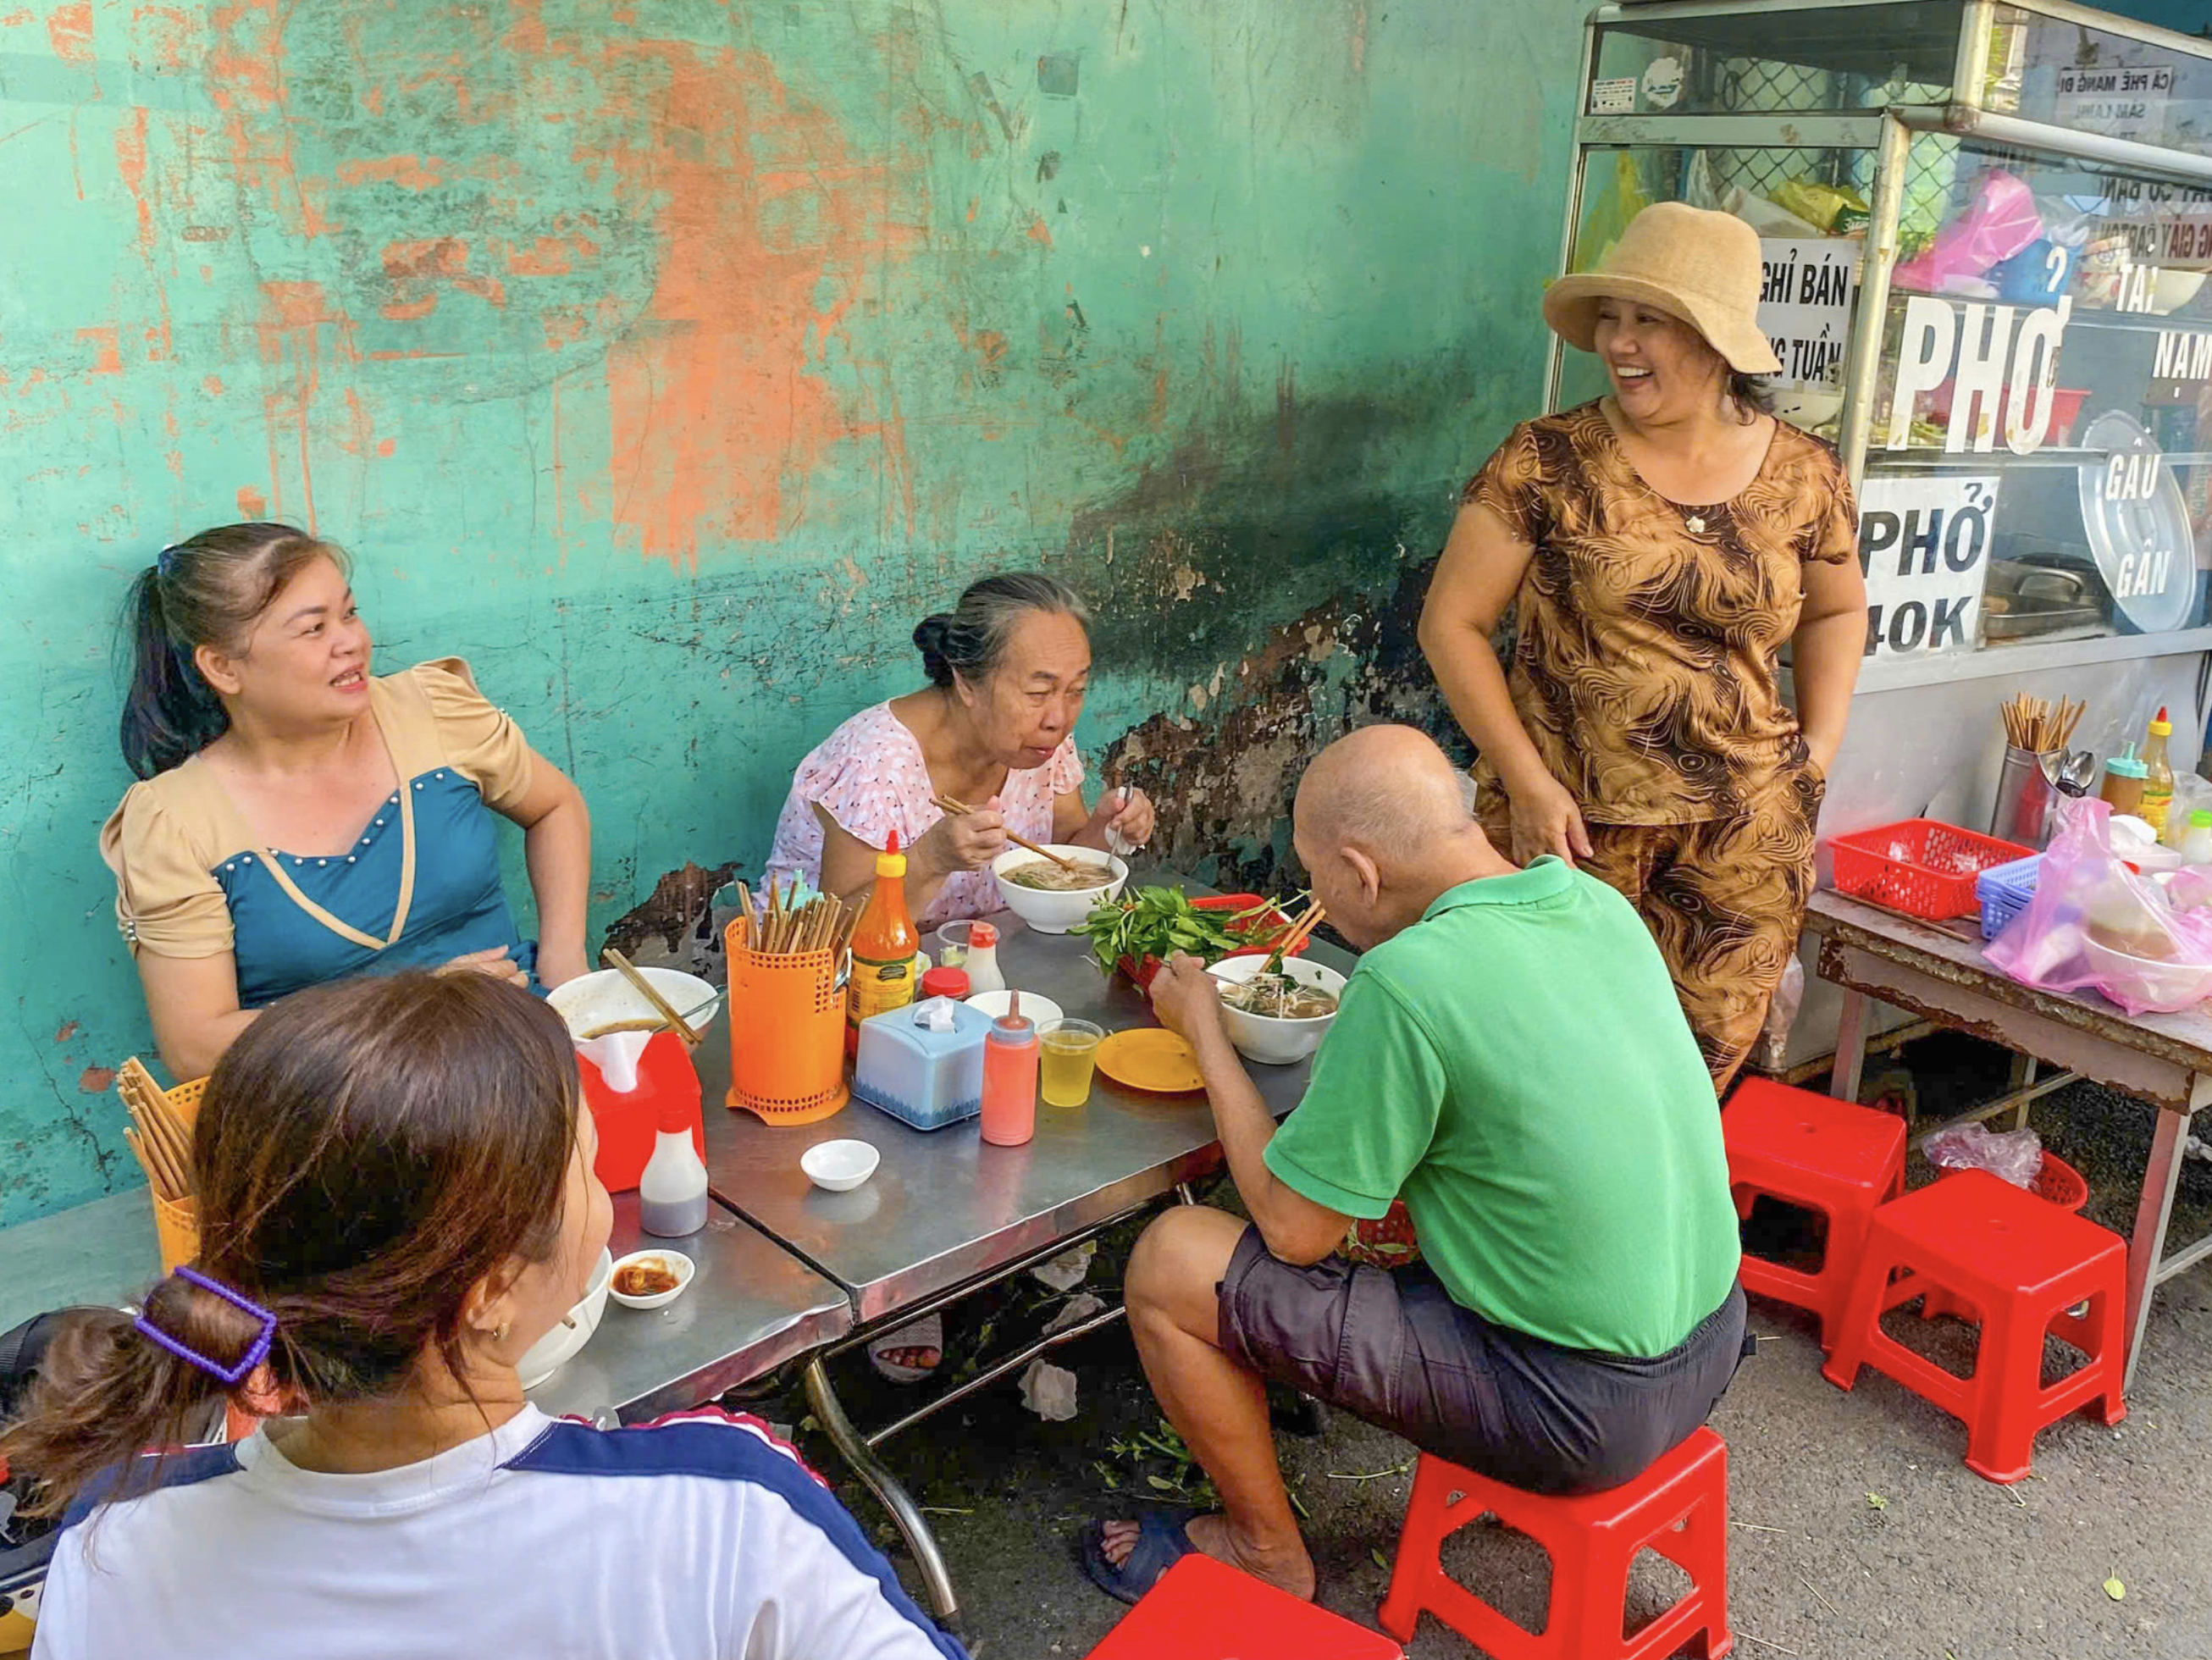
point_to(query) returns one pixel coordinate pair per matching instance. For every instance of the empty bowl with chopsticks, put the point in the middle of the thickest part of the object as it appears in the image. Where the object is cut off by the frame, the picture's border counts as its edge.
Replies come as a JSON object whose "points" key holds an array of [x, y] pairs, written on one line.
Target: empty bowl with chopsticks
{"points": [[651, 1278], [1051, 897], [604, 1002], [1280, 1019]]}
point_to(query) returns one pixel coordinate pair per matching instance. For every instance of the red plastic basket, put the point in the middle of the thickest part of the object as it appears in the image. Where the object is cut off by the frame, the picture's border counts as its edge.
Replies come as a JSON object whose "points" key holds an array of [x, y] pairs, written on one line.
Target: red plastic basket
{"points": [[2057, 1181], [1142, 973], [1919, 866]]}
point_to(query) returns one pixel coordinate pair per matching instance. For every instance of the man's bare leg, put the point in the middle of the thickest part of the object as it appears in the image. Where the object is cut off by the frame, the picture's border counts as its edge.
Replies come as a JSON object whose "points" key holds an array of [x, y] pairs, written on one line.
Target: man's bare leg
{"points": [[1219, 1407]]}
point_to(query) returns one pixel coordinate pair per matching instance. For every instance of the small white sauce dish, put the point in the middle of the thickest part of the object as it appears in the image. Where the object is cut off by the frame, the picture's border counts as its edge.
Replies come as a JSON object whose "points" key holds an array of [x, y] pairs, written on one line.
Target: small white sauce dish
{"points": [[839, 1166], [674, 1260]]}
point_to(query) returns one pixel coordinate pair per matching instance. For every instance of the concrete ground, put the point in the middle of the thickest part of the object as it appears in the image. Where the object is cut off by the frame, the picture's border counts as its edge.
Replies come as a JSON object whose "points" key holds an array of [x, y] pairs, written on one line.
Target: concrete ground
{"points": [[1855, 1531]]}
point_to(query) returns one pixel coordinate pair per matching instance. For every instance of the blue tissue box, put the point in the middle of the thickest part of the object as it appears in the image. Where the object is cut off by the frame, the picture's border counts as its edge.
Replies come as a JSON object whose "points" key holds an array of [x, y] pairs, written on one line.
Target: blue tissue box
{"points": [[918, 1074]]}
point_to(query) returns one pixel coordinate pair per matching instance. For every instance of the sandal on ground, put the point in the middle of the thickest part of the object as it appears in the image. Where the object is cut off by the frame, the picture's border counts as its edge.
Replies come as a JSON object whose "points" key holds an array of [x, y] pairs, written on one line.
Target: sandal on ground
{"points": [[1163, 1540], [926, 1332]]}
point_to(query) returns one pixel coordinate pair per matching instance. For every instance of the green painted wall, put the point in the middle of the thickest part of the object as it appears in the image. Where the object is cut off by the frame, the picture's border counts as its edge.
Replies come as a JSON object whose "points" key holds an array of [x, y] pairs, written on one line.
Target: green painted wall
{"points": [[668, 358]]}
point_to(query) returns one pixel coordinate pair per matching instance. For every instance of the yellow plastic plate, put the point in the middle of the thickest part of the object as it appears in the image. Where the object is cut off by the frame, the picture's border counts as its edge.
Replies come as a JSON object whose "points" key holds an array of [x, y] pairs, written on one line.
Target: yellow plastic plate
{"points": [[1150, 1058]]}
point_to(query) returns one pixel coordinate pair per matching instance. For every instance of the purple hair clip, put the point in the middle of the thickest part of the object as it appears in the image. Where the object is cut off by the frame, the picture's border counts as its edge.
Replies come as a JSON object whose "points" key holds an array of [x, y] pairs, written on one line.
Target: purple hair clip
{"points": [[256, 1353]]}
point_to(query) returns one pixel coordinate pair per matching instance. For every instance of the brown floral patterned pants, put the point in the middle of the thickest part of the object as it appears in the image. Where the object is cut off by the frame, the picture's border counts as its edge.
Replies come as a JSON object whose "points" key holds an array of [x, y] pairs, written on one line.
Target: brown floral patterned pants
{"points": [[1724, 899]]}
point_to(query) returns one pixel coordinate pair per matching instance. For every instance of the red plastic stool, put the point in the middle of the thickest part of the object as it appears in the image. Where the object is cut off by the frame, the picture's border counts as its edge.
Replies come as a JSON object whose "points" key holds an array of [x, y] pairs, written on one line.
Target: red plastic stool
{"points": [[1202, 1609], [2057, 1182], [1826, 1155], [2022, 1263], [1679, 1507]]}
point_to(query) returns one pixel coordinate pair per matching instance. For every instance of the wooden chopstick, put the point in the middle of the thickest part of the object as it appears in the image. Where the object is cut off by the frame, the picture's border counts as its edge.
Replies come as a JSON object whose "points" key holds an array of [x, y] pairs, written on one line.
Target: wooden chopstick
{"points": [[677, 1023], [958, 810]]}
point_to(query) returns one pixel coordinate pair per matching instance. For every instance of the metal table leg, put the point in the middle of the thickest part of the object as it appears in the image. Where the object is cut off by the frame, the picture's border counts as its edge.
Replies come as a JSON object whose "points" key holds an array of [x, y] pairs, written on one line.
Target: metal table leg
{"points": [[2147, 1242], [829, 1413], [1850, 1046]]}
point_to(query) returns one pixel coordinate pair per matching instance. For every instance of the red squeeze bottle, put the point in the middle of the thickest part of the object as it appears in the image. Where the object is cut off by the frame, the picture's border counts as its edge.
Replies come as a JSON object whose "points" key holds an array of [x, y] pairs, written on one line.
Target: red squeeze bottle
{"points": [[1010, 1078]]}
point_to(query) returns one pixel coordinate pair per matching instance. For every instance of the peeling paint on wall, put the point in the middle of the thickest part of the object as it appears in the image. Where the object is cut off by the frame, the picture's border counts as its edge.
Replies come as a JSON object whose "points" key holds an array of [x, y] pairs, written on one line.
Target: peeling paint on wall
{"points": [[668, 362]]}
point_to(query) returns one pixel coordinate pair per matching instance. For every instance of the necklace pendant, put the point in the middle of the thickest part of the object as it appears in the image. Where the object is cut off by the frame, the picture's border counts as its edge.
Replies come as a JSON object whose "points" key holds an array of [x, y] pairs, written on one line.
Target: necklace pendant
{"points": [[1697, 523]]}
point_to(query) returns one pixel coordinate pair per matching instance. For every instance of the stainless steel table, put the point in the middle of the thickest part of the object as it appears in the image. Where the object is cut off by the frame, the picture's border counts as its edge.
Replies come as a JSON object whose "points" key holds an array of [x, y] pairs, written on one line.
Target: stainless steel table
{"points": [[946, 1214], [2165, 1059], [752, 1307]]}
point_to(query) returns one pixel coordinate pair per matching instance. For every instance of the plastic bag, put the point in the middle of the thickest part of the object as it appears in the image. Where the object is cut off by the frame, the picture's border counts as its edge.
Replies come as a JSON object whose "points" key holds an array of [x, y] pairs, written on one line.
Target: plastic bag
{"points": [[2095, 924], [1618, 204], [1832, 207], [2001, 221], [1781, 1009], [2017, 1156]]}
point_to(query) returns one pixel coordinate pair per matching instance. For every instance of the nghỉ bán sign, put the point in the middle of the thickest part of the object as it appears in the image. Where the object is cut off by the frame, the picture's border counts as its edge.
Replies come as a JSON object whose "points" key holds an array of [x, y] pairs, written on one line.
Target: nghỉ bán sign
{"points": [[1805, 306], [1924, 544]]}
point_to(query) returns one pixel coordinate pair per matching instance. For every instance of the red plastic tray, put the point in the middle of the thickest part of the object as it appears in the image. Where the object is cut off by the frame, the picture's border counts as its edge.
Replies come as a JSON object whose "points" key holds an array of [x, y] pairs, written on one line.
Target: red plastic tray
{"points": [[1142, 973], [1919, 866]]}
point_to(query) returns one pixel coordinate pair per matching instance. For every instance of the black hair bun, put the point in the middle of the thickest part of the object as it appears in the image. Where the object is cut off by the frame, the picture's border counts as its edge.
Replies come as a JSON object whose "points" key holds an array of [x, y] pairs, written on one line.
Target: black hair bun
{"points": [[930, 635]]}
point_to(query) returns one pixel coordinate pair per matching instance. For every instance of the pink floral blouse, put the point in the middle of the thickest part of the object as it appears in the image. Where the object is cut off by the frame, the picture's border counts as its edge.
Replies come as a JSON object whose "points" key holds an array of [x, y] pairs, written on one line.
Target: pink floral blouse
{"points": [[871, 776]]}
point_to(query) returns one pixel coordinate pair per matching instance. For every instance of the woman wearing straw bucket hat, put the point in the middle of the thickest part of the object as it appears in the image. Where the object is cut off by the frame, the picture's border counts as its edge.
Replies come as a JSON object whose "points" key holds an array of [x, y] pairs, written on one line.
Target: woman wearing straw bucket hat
{"points": [[1660, 546]]}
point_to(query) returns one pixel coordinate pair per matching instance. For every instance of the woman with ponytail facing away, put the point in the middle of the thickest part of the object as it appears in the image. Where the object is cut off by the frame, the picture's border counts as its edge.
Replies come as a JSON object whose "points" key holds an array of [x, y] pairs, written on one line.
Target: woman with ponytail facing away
{"points": [[300, 819], [396, 1202]]}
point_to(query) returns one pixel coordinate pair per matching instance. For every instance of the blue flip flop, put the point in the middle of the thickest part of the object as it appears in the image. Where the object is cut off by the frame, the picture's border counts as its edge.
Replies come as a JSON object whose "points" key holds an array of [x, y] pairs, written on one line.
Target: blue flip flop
{"points": [[1163, 1540]]}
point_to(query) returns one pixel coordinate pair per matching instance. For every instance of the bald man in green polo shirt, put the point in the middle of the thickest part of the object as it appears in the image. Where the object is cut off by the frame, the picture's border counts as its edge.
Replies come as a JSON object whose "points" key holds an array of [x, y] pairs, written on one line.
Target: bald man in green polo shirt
{"points": [[1510, 1059]]}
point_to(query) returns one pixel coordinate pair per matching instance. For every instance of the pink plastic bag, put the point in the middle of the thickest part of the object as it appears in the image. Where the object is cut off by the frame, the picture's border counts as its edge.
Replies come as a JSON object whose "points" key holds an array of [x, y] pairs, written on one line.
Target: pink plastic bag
{"points": [[2001, 219], [2095, 924]]}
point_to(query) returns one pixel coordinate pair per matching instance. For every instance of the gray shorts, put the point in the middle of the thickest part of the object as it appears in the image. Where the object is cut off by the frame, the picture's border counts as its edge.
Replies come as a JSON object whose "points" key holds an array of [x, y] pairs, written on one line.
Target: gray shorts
{"points": [[1392, 1348]]}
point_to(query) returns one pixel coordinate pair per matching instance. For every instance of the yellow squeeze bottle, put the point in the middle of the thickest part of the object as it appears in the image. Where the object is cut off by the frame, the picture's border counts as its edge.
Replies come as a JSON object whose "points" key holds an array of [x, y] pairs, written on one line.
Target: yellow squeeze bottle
{"points": [[2157, 802]]}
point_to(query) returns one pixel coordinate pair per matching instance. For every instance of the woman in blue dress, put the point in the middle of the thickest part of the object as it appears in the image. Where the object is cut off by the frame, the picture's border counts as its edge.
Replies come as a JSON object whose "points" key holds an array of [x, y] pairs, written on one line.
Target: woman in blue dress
{"points": [[300, 819]]}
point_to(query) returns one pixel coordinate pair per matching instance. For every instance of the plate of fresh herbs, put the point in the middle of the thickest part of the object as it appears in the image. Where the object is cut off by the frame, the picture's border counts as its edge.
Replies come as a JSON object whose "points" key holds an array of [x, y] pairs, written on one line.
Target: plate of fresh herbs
{"points": [[1141, 929]]}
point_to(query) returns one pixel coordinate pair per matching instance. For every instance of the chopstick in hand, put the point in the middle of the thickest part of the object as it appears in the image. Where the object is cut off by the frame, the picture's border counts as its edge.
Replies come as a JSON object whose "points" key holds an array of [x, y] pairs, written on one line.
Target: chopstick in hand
{"points": [[960, 810]]}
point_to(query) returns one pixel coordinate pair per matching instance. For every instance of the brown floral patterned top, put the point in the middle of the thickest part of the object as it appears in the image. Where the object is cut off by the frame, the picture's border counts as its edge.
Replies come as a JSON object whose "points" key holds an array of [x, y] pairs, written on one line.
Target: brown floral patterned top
{"points": [[1647, 671]]}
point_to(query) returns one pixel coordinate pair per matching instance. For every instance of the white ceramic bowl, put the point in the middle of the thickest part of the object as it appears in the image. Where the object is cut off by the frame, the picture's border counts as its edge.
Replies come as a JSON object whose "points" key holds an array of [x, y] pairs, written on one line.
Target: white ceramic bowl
{"points": [[1263, 1037], [1037, 1008], [603, 997], [1056, 912], [839, 1166], [2147, 979], [551, 1352], [675, 1261]]}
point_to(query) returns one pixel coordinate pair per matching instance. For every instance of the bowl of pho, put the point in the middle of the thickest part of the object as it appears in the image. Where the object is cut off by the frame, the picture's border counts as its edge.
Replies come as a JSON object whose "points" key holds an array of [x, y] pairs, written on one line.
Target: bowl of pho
{"points": [[1276, 1018], [1051, 900]]}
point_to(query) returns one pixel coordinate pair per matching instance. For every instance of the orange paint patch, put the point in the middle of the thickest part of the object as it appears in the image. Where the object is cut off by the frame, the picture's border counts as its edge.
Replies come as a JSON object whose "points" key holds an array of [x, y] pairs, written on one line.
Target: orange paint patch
{"points": [[211, 385], [550, 256], [417, 268], [769, 227], [130, 163], [251, 503], [372, 100], [166, 35], [95, 1080], [1039, 231], [244, 78], [109, 360], [385, 447], [298, 327], [67, 1032], [70, 29], [408, 172]]}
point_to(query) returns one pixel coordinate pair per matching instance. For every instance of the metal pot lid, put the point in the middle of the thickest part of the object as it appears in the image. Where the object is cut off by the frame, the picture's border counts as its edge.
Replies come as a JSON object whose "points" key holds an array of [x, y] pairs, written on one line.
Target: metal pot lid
{"points": [[2137, 524]]}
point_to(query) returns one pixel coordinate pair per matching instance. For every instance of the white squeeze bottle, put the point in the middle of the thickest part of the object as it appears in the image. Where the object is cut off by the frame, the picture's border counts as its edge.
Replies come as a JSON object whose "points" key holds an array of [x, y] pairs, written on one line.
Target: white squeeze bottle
{"points": [[2196, 840], [982, 964], [671, 1194]]}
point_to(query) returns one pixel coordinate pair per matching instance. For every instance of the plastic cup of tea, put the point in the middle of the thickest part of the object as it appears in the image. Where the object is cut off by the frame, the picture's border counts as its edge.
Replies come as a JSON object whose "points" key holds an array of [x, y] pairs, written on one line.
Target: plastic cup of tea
{"points": [[1070, 1055]]}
